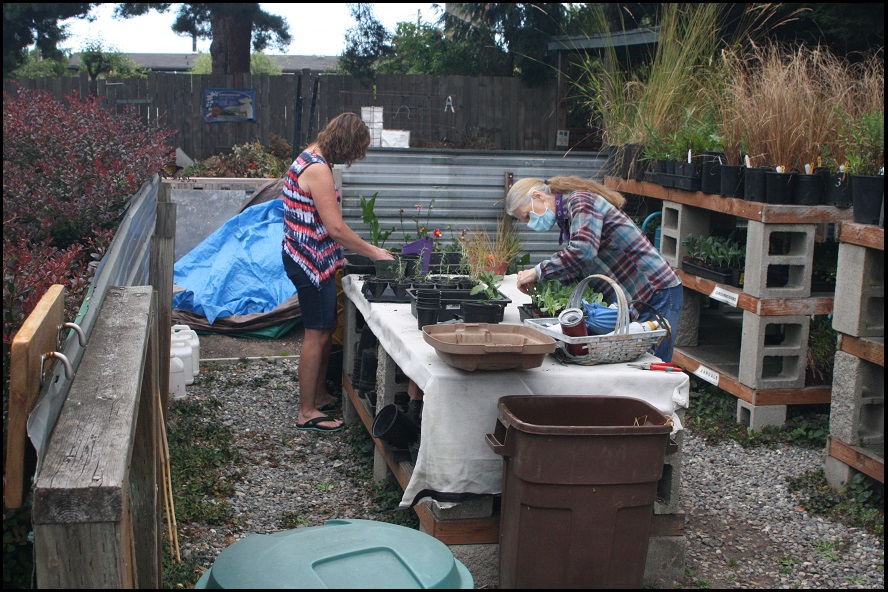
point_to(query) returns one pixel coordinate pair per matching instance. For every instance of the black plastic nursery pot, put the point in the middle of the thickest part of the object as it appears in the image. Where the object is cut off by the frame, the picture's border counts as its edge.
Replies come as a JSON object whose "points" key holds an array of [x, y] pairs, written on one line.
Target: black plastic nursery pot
{"points": [[731, 181], [779, 187], [808, 190], [710, 176], [837, 190], [754, 184], [867, 194], [392, 426], [482, 312]]}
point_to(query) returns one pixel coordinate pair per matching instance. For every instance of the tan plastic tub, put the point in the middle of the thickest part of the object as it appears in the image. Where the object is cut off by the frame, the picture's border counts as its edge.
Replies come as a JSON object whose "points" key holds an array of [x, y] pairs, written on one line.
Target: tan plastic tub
{"points": [[485, 346]]}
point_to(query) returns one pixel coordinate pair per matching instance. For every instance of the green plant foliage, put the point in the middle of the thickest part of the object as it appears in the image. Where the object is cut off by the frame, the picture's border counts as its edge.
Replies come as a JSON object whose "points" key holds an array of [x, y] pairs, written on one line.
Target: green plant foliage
{"points": [[864, 142], [551, 297], [859, 503], [18, 547], [488, 285], [368, 216], [251, 160]]}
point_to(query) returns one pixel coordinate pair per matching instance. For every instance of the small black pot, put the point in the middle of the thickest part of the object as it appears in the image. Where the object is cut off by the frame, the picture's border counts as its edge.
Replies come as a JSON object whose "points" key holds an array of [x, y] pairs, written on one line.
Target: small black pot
{"points": [[731, 181], [754, 184], [779, 187], [482, 312], [392, 426], [867, 193], [808, 190], [426, 315], [837, 190], [710, 176]]}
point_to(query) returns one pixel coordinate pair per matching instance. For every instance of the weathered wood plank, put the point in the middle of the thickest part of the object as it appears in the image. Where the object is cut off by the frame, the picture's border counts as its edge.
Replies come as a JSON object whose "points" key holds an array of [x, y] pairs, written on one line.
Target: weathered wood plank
{"points": [[857, 458], [865, 235], [86, 463], [37, 336]]}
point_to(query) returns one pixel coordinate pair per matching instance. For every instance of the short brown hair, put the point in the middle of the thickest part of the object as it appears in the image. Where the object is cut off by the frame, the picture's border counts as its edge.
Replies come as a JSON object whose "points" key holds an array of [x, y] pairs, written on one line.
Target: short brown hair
{"points": [[345, 139]]}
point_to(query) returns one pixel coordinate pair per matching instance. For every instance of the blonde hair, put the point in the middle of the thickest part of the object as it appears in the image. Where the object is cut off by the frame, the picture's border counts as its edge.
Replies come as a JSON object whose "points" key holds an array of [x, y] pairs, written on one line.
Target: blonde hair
{"points": [[345, 139], [519, 194]]}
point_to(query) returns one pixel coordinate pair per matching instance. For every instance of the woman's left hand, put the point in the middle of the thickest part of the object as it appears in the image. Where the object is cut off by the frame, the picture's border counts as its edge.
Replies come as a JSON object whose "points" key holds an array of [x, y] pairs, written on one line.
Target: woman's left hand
{"points": [[526, 279]]}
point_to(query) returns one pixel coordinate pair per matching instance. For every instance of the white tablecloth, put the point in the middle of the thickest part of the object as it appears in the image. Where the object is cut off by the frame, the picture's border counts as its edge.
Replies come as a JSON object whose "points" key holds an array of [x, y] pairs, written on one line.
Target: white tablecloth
{"points": [[460, 407]]}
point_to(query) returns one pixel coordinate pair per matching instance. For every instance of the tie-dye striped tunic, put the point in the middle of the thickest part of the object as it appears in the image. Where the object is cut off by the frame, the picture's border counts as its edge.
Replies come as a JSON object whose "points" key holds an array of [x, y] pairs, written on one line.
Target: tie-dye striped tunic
{"points": [[306, 239]]}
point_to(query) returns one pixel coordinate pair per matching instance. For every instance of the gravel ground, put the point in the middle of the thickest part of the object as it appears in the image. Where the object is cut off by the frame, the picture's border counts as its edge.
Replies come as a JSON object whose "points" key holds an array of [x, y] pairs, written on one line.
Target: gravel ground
{"points": [[744, 528]]}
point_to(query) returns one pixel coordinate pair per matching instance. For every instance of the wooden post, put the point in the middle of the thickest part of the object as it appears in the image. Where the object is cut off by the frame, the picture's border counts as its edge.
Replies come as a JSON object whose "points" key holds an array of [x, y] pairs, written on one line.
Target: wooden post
{"points": [[160, 276], [94, 514]]}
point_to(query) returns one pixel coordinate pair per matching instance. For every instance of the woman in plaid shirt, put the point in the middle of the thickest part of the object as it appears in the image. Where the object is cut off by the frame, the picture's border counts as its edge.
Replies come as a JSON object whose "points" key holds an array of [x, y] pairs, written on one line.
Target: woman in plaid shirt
{"points": [[602, 239]]}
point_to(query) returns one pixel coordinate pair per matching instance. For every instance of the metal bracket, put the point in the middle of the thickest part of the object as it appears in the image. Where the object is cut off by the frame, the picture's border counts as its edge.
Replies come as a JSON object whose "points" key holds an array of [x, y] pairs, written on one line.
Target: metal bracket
{"points": [[69, 370], [81, 337]]}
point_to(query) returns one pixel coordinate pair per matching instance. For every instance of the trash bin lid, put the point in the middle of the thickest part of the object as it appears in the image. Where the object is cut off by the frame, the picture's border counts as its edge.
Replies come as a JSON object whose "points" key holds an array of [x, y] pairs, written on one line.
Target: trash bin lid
{"points": [[339, 554]]}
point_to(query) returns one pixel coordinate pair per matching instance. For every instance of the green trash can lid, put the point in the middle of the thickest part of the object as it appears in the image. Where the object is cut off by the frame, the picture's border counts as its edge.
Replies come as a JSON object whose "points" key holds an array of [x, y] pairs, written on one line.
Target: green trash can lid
{"points": [[339, 554]]}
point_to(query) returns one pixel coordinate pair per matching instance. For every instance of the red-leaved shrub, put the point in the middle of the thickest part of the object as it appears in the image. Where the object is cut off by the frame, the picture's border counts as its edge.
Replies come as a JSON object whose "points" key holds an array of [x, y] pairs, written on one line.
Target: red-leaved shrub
{"points": [[69, 167]]}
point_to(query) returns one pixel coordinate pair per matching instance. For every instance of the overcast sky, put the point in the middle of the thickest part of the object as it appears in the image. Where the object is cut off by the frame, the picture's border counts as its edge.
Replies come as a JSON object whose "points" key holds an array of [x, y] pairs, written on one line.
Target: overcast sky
{"points": [[317, 29]]}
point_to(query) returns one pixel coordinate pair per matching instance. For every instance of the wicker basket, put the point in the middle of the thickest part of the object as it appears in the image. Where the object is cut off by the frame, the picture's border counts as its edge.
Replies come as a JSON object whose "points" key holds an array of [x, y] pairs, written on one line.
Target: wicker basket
{"points": [[600, 349]]}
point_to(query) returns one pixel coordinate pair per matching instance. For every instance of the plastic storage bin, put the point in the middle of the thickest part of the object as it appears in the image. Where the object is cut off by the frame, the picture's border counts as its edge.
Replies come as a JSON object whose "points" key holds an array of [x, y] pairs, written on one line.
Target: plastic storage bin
{"points": [[339, 554], [580, 478]]}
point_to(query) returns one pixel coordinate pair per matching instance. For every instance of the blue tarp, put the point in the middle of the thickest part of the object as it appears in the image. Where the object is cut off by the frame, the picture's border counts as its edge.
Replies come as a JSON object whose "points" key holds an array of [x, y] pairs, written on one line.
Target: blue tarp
{"points": [[237, 270]]}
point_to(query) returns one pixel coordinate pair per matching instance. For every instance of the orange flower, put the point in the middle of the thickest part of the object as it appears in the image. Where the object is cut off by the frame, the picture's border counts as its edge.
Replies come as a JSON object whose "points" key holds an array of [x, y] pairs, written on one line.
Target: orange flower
{"points": [[437, 233]]}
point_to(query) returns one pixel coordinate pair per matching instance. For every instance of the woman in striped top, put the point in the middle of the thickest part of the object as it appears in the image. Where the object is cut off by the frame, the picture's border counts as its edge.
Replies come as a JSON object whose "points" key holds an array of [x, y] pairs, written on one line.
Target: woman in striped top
{"points": [[314, 237], [602, 240]]}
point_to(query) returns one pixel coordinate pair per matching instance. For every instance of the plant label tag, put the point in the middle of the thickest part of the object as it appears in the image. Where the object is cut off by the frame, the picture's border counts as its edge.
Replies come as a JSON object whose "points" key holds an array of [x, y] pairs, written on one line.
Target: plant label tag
{"points": [[725, 296], [706, 374]]}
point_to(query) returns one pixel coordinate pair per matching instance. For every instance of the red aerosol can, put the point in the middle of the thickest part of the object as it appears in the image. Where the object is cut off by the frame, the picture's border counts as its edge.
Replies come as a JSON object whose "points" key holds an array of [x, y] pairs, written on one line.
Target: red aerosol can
{"points": [[573, 324]]}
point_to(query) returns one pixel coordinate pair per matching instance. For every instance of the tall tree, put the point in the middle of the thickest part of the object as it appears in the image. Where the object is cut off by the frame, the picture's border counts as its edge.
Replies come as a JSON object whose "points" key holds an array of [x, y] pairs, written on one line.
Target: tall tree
{"points": [[231, 26], [25, 24], [365, 43], [523, 30]]}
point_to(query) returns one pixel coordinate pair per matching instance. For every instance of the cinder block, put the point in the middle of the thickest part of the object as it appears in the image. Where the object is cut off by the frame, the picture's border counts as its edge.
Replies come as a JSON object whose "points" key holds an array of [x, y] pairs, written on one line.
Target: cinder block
{"points": [[759, 416], [860, 292], [773, 351], [678, 222], [473, 508], [857, 408], [688, 330], [779, 260], [837, 473], [665, 561]]}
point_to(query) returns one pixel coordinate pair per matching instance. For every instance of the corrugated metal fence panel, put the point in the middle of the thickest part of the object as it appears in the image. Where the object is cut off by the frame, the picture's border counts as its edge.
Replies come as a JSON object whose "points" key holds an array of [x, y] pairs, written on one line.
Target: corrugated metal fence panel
{"points": [[467, 187]]}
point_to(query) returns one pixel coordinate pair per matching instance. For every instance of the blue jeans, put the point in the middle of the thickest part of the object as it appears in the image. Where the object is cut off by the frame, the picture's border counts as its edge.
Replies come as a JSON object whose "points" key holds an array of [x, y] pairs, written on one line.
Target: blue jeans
{"points": [[668, 303]]}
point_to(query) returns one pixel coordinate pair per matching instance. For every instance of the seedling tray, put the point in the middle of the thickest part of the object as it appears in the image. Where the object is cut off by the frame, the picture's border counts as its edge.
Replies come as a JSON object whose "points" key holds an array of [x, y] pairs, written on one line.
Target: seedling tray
{"points": [[451, 301]]}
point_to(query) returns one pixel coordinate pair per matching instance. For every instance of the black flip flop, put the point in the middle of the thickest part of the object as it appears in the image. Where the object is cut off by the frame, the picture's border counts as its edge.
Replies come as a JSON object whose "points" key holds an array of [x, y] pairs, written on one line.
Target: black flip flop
{"points": [[312, 425]]}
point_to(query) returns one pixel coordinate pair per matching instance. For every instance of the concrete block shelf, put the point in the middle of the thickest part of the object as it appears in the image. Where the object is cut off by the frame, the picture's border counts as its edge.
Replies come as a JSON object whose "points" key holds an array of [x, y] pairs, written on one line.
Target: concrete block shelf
{"points": [[857, 414], [740, 353]]}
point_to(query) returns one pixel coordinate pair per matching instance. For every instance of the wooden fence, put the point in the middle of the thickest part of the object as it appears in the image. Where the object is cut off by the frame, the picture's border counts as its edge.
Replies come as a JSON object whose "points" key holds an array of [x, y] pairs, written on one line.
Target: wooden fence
{"points": [[499, 112]]}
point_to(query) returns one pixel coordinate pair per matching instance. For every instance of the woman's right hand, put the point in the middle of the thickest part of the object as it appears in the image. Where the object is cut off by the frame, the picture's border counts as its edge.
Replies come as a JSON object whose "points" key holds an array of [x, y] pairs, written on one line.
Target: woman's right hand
{"points": [[382, 254]]}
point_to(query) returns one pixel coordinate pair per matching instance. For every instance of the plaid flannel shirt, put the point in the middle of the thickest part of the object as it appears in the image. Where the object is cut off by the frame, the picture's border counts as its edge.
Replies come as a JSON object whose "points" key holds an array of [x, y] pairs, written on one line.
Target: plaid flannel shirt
{"points": [[604, 240]]}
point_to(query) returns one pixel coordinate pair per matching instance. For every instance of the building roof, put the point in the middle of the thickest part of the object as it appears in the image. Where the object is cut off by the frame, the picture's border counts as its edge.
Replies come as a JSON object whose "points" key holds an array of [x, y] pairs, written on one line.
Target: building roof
{"points": [[645, 36], [181, 62]]}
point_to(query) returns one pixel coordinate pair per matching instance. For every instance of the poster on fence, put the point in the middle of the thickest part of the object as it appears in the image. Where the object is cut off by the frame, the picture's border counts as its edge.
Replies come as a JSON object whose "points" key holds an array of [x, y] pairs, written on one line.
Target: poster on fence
{"points": [[225, 105]]}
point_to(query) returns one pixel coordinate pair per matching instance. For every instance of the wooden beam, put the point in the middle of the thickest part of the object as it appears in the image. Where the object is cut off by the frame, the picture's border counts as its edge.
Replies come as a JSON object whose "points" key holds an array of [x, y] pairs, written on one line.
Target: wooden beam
{"points": [[772, 307], [865, 235], [871, 349], [761, 212], [857, 458]]}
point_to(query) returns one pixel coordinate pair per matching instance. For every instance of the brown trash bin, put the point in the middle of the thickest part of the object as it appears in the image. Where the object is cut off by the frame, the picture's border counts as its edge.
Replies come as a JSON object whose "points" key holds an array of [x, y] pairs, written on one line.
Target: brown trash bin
{"points": [[580, 478]]}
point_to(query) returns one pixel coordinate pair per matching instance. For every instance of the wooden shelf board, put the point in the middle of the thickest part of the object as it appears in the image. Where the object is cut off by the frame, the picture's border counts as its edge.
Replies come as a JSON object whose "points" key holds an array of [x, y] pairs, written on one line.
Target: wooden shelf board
{"points": [[692, 358], [761, 212], [815, 305], [865, 235], [865, 461], [871, 349]]}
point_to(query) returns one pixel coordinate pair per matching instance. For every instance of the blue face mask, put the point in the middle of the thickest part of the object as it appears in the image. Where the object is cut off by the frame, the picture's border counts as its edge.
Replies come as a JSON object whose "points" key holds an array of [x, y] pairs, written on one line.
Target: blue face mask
{"points": [[541, 222]]}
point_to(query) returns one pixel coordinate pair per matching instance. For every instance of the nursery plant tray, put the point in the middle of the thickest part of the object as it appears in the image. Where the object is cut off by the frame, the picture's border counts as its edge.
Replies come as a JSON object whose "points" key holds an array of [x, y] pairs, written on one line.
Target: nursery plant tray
{"points": [[484, 346], [451, 301]]}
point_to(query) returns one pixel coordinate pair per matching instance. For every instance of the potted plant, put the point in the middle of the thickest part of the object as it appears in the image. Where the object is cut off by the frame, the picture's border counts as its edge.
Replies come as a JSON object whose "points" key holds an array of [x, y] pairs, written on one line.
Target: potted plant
{"points": [[864, 139], [484, 309], [492, 252]]}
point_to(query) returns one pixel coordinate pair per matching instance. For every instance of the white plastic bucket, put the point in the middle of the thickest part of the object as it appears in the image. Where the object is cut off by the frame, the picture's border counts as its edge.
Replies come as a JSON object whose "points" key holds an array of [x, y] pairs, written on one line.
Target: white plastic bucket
{"points": [[194, 342], [179, 348], [177, 378]]}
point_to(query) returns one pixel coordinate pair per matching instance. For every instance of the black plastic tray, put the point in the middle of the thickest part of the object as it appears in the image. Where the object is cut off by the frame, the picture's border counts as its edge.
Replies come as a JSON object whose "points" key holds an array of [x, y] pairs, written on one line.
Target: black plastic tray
{"points": [[451, 300]]}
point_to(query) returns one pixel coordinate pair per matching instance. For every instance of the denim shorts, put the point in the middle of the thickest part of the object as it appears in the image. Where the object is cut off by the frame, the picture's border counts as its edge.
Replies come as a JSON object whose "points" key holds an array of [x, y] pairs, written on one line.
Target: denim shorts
{"points": [[668, 303], [318, 306]]}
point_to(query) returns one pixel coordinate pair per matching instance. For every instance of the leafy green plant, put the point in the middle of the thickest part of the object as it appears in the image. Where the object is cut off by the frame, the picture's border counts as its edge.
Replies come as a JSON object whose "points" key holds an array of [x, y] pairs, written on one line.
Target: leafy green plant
{"points": [[488, 285], [821, 352], [859, 503], [368, 216], [864, 140], [551, 297]]}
